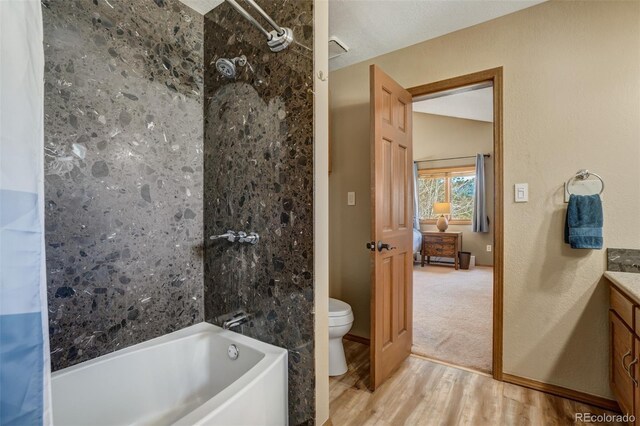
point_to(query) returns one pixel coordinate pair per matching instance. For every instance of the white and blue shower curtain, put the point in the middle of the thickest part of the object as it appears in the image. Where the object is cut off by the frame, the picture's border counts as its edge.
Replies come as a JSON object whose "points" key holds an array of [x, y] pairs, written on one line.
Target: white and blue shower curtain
{"points": [[24, 342]]}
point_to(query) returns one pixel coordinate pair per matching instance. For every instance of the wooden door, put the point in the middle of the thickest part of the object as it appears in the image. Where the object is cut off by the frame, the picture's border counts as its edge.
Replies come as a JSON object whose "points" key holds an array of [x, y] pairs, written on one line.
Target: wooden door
{"points": [[391, 227], [621, 345]]}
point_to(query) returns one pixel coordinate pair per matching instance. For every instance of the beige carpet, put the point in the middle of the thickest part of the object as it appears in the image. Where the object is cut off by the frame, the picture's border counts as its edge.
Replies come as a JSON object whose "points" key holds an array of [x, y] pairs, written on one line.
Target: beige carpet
{"points": [[452, 315]]}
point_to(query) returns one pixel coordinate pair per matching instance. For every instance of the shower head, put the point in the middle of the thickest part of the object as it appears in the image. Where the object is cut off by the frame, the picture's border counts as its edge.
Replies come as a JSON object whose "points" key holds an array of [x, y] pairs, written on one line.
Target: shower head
{"points": [[227, 67]]}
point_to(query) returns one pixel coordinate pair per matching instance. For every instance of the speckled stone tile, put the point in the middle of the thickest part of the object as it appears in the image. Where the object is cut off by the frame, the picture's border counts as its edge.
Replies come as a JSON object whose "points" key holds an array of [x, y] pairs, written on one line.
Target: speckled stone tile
{"points": [[258, 168], [623, 260], [124, 173]]}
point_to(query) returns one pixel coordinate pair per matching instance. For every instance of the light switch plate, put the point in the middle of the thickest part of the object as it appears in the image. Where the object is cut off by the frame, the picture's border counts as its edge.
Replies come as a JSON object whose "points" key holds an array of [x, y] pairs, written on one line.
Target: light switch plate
{"points": [[521, 192], [351, 198]]}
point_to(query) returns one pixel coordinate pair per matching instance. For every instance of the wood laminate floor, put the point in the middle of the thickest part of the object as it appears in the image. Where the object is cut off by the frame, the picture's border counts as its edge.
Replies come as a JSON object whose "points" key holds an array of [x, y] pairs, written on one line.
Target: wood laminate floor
{"points": [[426, 393]]}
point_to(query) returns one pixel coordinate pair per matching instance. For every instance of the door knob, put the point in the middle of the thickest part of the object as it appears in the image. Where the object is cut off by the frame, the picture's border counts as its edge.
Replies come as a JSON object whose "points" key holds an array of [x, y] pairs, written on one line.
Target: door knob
{"points": [[371, 245], [384, 246]]}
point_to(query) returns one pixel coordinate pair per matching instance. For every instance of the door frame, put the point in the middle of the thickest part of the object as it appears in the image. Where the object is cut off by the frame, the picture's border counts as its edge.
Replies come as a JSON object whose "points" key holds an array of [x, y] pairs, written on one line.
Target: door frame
{"points": [[493, 75]]}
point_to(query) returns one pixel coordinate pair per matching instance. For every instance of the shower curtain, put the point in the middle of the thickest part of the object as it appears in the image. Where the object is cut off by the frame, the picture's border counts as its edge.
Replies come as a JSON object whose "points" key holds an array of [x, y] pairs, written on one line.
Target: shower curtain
{"points": [[24, 341]]}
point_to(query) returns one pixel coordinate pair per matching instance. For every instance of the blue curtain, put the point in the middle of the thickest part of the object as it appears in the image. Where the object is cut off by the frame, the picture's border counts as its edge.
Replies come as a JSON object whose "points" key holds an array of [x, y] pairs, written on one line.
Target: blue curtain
{"points": [[480, 220], [416, 210], [24, 341]]}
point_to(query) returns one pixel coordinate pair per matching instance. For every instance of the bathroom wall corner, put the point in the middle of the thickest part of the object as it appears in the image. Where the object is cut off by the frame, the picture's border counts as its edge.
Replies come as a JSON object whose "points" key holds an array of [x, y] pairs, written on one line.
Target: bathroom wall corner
{"points": [[321, 206]]}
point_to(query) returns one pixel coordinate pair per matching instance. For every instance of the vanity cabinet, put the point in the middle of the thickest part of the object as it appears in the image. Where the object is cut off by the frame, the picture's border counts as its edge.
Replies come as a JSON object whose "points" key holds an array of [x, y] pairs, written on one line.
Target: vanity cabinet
{"points": [[622, 352], [625, 352]]}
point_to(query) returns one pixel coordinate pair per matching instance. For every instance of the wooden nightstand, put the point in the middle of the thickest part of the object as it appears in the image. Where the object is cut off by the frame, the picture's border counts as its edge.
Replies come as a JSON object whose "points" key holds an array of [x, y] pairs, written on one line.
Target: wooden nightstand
{"points": [[441, 244]]}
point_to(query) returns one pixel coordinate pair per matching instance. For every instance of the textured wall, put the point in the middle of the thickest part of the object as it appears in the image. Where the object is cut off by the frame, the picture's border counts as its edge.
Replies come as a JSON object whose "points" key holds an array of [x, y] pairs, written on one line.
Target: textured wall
{"points": [[123, 190], [259, 178], [437, 136], [571, 84]]}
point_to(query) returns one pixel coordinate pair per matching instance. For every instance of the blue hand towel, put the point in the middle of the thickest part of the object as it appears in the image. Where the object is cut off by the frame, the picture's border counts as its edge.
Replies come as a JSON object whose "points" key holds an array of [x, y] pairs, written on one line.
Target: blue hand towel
{"points": [[583, 226]]}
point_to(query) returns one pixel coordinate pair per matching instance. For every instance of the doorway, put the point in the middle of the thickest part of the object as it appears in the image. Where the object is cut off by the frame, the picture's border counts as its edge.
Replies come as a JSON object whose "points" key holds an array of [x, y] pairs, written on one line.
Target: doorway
{"points": [[392, 320], [446, 299], [453, 266]]}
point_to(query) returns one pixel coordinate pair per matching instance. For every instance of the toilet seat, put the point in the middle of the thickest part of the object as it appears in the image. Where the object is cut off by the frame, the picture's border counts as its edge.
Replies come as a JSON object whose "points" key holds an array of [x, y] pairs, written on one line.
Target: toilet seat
{"points": [[339, 313]]}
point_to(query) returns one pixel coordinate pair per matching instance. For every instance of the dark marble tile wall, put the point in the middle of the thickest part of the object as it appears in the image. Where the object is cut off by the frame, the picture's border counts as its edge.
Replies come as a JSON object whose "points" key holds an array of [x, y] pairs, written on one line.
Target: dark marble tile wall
{"points": [[258, 169], [623, 260], [124, 173]]}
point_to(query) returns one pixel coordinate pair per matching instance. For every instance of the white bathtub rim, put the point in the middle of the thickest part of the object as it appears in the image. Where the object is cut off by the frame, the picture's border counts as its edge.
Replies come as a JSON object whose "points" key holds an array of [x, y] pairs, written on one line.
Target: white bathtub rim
{"points": [[176, 336], [273, 355]]}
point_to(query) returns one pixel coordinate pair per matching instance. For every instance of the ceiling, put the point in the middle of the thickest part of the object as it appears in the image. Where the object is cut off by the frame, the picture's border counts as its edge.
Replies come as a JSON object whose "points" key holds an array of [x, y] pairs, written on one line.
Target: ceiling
{"points": [[203, 6], [472, 105], [373, 27]]}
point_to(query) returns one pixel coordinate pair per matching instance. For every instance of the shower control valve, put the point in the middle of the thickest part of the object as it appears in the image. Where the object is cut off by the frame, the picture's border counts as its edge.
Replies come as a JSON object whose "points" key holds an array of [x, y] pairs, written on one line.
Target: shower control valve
{"points": [[239, 237], [230, 236], [252, 238]]}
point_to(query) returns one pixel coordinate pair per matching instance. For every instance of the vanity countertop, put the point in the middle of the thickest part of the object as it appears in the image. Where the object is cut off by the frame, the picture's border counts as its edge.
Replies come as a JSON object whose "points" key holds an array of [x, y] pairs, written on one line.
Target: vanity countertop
{"points": [[627, 281]]}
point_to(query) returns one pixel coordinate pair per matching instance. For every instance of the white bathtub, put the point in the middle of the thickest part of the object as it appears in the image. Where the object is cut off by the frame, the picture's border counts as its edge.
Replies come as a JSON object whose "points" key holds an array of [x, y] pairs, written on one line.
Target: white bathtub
{"points": [[182, 378]]}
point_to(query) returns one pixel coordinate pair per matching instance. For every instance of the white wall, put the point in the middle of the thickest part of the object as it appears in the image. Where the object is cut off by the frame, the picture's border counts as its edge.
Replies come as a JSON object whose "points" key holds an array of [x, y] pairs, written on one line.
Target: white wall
{"points": [[571, 101], [321, 206]]}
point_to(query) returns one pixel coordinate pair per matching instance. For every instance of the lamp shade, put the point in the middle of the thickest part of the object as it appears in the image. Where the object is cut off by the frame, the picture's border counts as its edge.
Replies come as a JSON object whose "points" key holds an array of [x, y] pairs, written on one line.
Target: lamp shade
{"points": [[442, 208]]}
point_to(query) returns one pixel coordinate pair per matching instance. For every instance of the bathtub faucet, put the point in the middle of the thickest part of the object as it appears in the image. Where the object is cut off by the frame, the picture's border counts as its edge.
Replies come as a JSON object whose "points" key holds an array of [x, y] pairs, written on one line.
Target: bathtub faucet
{"points": [[237, 319], [238, 236]]}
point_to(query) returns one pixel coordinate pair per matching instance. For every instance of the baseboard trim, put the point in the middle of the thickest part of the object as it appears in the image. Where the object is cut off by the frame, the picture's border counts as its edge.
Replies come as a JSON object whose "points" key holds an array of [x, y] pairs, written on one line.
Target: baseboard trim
{"points": [[597, 401], [354, 338]]}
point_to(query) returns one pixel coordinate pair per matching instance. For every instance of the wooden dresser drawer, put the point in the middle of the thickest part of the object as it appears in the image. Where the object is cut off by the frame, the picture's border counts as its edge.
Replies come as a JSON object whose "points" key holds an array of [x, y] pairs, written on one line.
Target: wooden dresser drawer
{"points": [[622, 306], [440, 239], [439, 249]]}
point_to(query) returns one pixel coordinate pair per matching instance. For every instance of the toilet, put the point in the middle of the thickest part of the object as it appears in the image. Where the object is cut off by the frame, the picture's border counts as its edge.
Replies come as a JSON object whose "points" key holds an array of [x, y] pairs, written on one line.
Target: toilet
{"points": [[340, 321]]}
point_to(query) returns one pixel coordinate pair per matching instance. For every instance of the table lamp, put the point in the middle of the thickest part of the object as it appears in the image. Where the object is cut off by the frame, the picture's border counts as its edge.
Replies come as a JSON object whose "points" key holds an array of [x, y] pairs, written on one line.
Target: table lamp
{"points": [[442, 209]]}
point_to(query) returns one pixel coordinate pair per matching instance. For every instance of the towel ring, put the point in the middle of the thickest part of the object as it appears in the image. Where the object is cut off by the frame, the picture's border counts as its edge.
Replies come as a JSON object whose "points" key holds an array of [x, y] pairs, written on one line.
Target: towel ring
{"points": [[584, 174]]}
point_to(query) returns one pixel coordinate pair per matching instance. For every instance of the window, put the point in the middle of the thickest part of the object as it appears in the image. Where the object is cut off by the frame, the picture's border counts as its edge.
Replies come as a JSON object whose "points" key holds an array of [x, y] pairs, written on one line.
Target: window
{"points": [[453, 185]]}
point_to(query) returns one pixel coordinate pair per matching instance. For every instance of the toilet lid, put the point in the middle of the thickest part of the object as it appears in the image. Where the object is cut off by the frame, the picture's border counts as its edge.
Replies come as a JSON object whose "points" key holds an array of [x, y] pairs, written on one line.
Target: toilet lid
{"points": [[338, 308]]}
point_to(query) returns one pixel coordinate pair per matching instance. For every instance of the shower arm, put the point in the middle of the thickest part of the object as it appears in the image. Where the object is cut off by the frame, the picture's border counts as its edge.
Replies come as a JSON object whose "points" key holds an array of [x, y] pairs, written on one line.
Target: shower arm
{"points": [[250, 18], [256, 6], [278, 39]]}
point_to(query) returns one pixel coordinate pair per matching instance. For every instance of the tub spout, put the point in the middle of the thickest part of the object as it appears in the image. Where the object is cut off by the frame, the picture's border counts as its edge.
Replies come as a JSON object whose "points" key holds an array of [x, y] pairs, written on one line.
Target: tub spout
{"points": [[236, 320]]}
